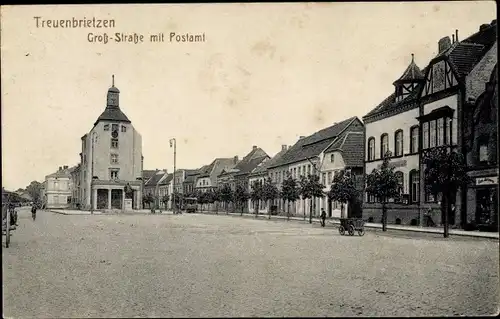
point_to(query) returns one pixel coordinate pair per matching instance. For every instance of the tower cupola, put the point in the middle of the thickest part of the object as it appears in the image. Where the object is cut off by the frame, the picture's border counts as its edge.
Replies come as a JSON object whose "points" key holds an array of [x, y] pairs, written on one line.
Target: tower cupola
{"points": [[409, 81], [112, 113]]}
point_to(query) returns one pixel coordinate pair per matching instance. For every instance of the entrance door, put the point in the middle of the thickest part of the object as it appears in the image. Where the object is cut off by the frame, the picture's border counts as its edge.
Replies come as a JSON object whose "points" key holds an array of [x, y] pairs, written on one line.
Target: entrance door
{"points": [[486, 206], [116, 198], [329, 208]]}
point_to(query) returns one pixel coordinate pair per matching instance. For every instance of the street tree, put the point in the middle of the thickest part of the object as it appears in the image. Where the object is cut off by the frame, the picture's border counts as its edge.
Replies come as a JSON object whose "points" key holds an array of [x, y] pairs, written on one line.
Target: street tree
{"points": [[269, 193], [176, 199], [34, 189], [343, 190], [444, 174], [316, 191], [290, 192], [226, 196], [213, 197], [256, 195], [383, 184], [241, 197]]}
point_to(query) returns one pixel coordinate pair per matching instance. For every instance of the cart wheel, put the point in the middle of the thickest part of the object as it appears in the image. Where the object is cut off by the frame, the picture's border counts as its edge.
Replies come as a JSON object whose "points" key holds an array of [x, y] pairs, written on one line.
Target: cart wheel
{"points": [[351, 230], [361, 232], [342, 230]]}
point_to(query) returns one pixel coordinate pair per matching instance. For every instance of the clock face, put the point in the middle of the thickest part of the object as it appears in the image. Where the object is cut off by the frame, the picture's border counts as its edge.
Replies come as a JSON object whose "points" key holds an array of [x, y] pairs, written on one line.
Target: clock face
{"points": [[113, 99], [114, 134]]}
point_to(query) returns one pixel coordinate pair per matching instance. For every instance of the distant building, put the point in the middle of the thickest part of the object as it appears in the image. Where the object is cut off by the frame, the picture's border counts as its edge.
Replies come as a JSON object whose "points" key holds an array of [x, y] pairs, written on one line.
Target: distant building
{"points": [[207, 179], [189, 182], [58, 190], [111, 160], [307, 157]]}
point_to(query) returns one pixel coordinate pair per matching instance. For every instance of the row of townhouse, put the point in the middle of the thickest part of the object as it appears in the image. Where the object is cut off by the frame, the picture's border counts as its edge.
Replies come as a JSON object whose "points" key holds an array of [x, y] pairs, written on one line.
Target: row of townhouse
{"points": [[324, 153], [59, 189], [451, 102]]}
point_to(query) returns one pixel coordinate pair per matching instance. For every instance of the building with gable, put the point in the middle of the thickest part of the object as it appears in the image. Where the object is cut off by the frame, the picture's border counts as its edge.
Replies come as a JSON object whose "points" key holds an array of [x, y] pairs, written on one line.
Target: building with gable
{"points": [[427, 110], [259, 174], [306, 157], [189, 183], [58, 190], [111, 160], [208, 177], [238, 174]]}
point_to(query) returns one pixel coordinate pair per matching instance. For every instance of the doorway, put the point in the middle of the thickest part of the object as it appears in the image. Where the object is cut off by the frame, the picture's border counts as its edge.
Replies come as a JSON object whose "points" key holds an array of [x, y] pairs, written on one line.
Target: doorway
{"points": [[486, 206], [116, 198]]}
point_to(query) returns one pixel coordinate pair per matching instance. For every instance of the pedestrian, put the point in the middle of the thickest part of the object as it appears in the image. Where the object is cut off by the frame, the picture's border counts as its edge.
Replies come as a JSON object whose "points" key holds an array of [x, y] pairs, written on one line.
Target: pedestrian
{"points": [[323, 217], [33, 211]]}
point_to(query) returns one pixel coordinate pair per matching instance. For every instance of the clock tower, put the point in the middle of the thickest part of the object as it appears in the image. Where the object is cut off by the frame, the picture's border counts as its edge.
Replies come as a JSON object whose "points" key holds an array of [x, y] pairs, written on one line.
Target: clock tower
{"points": [[113, 94]]}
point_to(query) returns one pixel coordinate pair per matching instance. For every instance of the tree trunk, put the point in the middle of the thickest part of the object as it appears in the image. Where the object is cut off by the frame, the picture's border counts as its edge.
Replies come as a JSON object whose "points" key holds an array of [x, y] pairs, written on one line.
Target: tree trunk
{"points": [[269, 209], [288, 211], [241, 209], [310, 211], [384, 216], [445, 206], [257, 205]]}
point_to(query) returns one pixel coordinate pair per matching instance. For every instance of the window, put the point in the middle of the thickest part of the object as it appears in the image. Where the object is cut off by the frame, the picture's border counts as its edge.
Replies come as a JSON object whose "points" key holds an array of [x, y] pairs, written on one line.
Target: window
{"points": [[440, 132], [332, 158], [114, 143], [414, 186], [425, 135], [114, 127], [106, 127], [384, 145], [449, 132], [124, 128], [114, 158], [414, 139], [56, 185], [114, 173], [483, 153], [400, 177], [56, 199], [398, 143], [309, 169], [324, 179], [371, 148], [371, 198], [432, 133], [329, 177]]}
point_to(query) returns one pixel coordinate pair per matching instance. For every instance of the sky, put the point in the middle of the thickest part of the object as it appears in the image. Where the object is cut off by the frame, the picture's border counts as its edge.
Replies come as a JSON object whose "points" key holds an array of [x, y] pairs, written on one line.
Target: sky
{"points": [[266, 74]]}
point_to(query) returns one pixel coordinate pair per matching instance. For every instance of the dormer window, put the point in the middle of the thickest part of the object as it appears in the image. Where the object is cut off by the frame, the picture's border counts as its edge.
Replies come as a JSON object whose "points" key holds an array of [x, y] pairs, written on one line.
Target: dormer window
{"points": [[114, 127], [124, 128], [106, 127], [332, 158]]}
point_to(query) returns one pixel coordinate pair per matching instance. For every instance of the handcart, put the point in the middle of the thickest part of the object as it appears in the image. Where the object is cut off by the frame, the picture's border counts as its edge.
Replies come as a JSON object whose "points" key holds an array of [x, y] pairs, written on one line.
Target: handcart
{"points": [[352, 225]]}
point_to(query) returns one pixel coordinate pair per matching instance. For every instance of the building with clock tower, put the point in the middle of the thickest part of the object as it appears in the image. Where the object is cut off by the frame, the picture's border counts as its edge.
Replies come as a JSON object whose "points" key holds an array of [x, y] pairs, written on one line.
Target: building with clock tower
{"points": [[111, 161]]}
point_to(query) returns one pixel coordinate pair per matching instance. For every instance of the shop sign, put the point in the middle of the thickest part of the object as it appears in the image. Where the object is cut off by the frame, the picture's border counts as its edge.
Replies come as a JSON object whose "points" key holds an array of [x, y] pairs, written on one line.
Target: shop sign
{"points": [[492, 180], [395, 164]]}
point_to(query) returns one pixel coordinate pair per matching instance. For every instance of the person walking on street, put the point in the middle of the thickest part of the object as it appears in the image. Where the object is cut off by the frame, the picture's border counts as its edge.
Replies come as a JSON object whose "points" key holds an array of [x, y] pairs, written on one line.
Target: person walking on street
{"points": [[33, 211], [323, 217]]}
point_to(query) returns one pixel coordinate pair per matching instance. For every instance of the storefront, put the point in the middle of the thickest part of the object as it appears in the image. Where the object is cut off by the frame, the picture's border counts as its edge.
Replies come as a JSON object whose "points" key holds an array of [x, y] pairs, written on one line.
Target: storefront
{"points": [[482, 205]]}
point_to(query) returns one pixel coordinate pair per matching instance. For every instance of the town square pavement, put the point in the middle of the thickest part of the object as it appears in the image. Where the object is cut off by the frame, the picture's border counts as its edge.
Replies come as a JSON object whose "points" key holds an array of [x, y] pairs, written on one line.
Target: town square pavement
{"points": [[194, 265]]}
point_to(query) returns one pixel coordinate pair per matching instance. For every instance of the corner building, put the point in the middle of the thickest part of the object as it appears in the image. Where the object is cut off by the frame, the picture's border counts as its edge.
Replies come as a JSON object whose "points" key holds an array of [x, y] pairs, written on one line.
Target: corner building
{"points": [[111, 161]]}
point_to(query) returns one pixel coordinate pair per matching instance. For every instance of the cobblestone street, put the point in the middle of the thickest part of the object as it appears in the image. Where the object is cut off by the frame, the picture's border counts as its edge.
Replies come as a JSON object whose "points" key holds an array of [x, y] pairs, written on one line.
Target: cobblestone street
{"points": [[194, 265]]}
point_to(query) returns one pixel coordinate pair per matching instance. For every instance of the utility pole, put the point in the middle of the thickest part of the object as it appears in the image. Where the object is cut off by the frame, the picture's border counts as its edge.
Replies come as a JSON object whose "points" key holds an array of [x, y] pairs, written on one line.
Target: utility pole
{"points": [[174, 145], [313, 199], [92, 173]]}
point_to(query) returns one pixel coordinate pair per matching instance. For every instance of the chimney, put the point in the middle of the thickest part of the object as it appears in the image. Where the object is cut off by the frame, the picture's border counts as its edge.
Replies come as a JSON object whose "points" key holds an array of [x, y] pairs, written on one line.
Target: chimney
{"points": [[60, 168], [65, 166], [444, 44], [236, 159], [493, 22], [452, 38], [456, 35], [284, 147], [483, 26], [301, 137], [254, 147]]}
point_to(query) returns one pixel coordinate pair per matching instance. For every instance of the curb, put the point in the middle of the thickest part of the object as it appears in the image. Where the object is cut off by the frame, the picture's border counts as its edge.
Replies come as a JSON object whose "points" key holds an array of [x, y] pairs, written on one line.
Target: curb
{"points": [[334, 223]]}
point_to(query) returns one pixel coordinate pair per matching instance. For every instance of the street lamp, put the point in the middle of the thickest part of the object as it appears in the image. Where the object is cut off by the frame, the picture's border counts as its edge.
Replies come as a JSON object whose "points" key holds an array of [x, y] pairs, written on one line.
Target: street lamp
{"points": [[313, 199], [174, 145], [92, 141]]}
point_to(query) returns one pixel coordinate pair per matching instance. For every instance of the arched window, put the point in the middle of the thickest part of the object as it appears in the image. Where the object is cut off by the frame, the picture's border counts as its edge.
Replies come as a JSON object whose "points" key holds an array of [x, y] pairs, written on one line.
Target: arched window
{"points": [[400, 177], [414, 139], [371, 148], [398, 143], [384, 145], [414, 186]]}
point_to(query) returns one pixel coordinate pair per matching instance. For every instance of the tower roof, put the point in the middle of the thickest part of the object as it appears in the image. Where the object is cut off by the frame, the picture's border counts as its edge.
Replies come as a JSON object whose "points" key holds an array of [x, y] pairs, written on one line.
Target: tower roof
{"points": [[412, 73], [112, 112]]}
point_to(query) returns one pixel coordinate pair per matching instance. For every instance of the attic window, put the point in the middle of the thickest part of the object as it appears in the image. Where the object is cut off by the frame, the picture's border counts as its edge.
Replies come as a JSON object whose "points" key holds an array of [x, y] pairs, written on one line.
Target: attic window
{"points": [[332, 158], [106, 127], [124, 128]]}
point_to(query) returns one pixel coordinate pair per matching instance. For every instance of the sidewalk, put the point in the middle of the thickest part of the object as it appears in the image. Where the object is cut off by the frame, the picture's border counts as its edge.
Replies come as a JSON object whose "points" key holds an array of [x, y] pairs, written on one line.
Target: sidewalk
{"points": [[335, 222], [115, 212]]}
